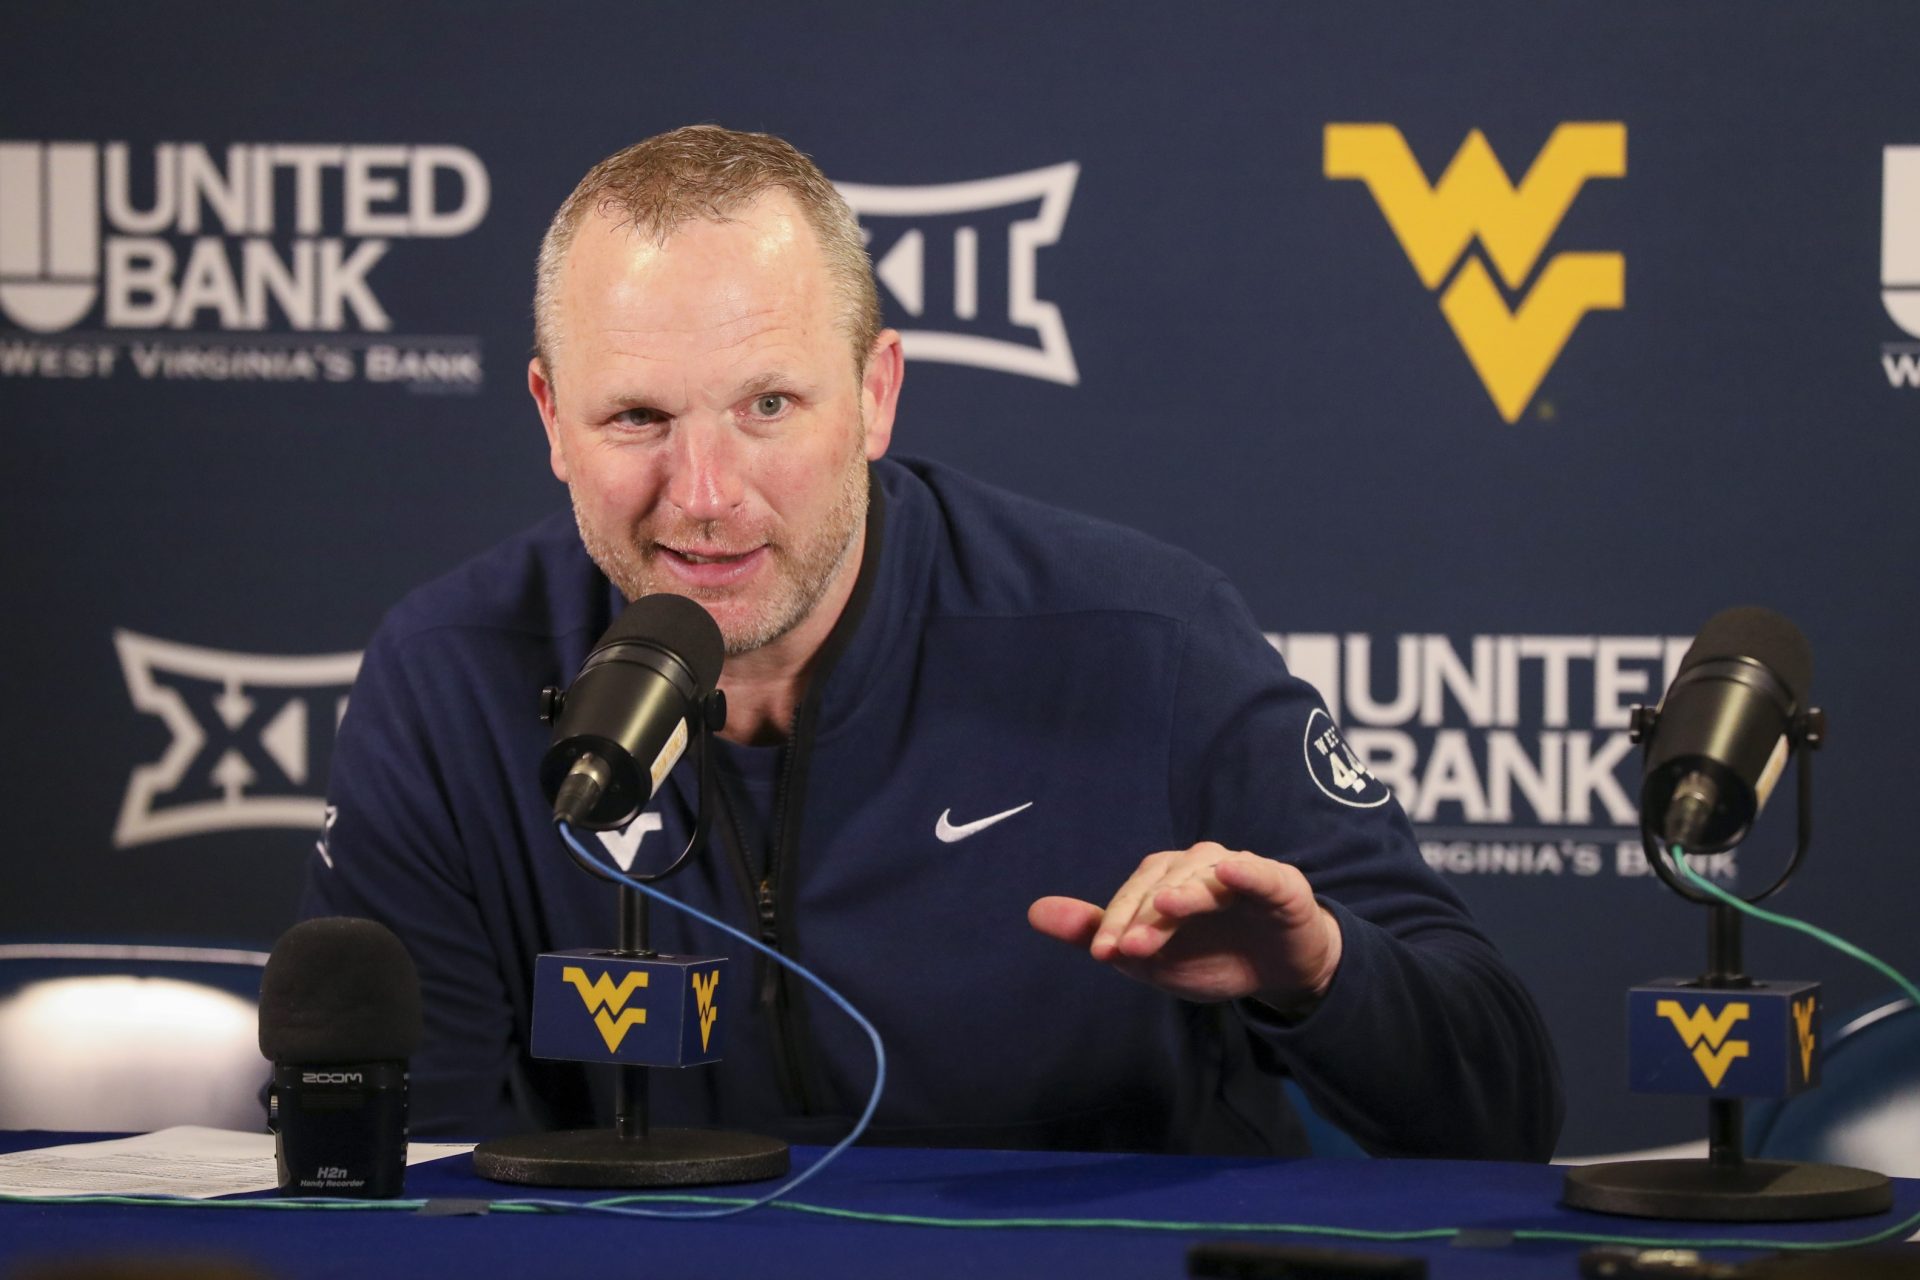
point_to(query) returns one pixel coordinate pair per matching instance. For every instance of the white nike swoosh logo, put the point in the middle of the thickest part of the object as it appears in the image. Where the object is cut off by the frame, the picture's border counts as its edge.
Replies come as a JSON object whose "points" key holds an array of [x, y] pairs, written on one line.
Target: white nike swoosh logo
{"points": [[948, 833]]}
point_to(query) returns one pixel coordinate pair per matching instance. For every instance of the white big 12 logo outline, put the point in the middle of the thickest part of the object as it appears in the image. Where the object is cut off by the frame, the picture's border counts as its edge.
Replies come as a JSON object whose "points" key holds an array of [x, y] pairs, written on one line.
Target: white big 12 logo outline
{"points": [[902, 268]]}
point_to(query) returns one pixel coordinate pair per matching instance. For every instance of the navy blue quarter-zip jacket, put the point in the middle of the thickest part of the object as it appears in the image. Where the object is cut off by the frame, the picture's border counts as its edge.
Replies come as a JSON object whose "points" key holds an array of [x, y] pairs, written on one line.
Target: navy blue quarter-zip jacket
{"points": [[997, 655]]}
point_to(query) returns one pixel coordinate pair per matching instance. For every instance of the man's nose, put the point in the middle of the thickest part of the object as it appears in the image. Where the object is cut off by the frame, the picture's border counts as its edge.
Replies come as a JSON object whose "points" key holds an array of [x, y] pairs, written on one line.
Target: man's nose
{"points": [[706, 480]]}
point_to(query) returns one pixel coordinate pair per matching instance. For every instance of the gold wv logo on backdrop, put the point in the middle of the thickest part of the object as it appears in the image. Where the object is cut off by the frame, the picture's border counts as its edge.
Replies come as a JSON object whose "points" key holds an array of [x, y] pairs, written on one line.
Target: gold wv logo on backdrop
{"points": [[608, 1003], [1706, 1034], [1511, 349]]}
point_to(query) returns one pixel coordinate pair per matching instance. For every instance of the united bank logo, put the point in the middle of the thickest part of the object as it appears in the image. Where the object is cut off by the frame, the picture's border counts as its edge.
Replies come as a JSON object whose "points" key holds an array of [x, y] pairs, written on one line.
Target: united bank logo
{"points": [[1900, 262], [49, 233], [1511, 754], [250, 738], [607, 1002], [1708, 1035], [252, 262], [960, 264], [1438, 224]]}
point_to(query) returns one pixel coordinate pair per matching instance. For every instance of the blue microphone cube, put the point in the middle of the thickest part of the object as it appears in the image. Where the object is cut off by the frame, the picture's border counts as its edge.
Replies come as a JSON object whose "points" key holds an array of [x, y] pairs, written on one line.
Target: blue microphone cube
{"points": [[603, 1006], [1760, 1041]]}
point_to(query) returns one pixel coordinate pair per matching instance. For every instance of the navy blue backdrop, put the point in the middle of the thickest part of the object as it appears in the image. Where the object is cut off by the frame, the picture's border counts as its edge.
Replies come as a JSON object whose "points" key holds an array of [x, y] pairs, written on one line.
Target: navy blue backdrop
{"points": [[1489, 348]]}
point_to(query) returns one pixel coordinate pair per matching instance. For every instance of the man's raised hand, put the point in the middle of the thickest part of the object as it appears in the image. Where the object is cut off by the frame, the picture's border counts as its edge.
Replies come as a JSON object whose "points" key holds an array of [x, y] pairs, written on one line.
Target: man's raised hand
{"points": [[1206, 924]]}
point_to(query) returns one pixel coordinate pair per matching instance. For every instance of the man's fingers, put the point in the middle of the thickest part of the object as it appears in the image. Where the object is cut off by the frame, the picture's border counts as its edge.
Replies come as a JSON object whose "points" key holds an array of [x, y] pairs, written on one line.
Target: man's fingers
{"points": [[1068, 919], [1206, 923], [1199, 893], [1279, 885], [1198, 888], [1172, 887], [1128, 904]]}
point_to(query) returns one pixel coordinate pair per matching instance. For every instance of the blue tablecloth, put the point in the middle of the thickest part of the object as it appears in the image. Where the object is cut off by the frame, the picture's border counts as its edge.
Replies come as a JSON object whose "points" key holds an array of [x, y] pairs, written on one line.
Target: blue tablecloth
{"points": [[1372, 1194]]}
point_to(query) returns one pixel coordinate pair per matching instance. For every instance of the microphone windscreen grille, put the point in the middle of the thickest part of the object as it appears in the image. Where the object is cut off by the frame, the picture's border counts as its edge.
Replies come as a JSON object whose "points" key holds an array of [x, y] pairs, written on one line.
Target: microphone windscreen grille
{"points": [[338, 989], [1759, 634], [678, 625]]}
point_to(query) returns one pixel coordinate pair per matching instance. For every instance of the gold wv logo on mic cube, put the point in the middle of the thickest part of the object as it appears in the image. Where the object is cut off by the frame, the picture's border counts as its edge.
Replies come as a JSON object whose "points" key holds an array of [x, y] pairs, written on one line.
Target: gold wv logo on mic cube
{"points": [[1758, 1041], [602, 1006]]}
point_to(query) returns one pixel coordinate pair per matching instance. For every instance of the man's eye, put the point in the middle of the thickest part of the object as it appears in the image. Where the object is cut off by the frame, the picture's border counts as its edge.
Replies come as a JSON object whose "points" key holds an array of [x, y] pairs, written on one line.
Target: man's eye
{"points": [[637, 417], [770, 405]]}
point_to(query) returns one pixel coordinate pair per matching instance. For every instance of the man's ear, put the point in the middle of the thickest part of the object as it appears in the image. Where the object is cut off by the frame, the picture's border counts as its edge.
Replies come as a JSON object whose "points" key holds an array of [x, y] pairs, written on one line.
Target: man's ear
{"points": [[541, 388], [880, 390]]}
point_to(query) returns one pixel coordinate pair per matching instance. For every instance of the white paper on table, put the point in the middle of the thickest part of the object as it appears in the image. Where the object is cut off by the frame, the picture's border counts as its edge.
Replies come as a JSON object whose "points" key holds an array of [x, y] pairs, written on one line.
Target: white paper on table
{"points": [[187, 1160]]}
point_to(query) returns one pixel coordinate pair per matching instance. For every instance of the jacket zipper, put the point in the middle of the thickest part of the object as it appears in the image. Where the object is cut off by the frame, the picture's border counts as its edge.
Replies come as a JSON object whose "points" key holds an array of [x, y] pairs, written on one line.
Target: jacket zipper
{"points": [[762, 900], [776, 993], [769, 934]]}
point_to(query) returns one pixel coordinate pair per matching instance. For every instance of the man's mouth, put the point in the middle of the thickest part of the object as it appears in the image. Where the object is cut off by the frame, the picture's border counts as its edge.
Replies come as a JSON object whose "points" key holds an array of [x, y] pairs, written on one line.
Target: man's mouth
{"points": [[705, 553], [711, 566]]}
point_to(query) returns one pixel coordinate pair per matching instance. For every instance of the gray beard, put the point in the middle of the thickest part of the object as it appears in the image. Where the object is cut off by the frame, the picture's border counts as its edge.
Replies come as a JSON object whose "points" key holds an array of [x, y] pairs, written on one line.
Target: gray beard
{"points": [[803, 579]]}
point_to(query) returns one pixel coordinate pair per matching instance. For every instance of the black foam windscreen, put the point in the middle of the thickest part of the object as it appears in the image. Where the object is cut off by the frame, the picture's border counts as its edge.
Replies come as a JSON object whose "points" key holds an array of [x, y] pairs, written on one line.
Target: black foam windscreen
{"points": [[338, 989], [1759, 634], [678, 625]]}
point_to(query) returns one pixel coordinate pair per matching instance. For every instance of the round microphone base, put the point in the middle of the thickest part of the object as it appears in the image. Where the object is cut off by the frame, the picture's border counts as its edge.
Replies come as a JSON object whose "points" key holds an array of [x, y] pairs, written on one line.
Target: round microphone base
{"points": [[1747, 1191], [602, 1158]]}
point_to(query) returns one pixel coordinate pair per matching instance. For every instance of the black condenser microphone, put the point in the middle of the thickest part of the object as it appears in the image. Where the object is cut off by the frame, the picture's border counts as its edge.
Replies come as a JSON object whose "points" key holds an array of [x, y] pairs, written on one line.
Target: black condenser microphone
{"points": [[1724, 730], [339, 1016], [630, 712]]}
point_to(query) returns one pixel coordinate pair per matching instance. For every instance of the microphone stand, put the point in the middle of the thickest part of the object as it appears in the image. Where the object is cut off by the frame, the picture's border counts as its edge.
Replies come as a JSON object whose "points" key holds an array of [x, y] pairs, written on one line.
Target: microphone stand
{"points": [[630, 1082], [633, 1153], [1727, 1186]]}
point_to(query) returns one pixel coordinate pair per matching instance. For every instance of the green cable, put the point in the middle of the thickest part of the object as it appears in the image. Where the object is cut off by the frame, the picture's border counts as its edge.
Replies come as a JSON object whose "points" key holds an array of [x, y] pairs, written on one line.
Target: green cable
{"points": [[614, 1204], [1899, 1229], [1085, 1224], [1841, 945], [1374, 1235]]}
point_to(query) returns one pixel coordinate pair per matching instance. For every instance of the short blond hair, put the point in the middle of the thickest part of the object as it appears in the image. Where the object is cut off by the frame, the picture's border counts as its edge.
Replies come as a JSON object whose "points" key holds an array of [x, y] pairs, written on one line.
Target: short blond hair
{"points": [[706, 172]]}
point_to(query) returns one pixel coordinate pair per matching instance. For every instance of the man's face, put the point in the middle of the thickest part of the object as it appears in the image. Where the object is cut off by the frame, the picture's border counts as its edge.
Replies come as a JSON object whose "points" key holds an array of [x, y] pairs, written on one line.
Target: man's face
{"points": [[709, 419]]}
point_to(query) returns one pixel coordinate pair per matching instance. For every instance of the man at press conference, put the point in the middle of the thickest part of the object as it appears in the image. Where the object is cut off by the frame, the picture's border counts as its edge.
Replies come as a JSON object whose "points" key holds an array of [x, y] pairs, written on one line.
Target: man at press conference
{"points": [[1032, 790]]}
